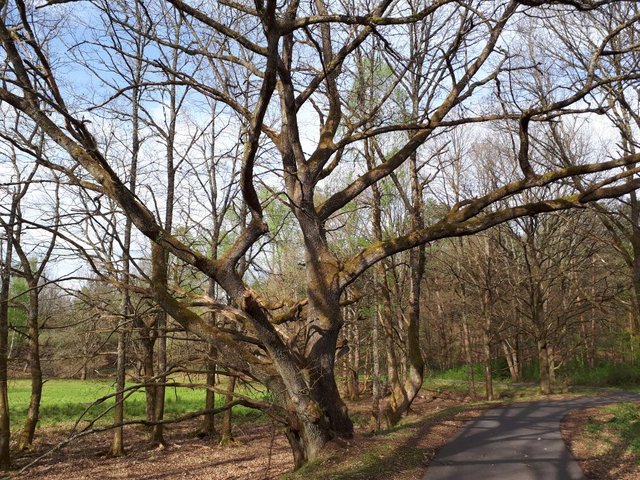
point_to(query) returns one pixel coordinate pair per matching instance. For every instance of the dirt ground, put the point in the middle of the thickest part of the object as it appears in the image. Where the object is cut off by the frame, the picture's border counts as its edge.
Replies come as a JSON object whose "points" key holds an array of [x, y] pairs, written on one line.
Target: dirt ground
{"points": [[402, 453], [261, 452], [602, 456]]}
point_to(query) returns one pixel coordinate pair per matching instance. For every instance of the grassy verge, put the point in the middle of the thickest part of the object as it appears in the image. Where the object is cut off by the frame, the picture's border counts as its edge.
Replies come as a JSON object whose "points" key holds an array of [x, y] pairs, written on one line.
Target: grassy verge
{"points": [[605, 440], [617, 427]]}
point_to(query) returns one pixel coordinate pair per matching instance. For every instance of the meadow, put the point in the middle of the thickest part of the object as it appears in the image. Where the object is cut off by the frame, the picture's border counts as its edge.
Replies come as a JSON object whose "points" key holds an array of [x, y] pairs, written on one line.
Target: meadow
{"points": [[65, 400]]}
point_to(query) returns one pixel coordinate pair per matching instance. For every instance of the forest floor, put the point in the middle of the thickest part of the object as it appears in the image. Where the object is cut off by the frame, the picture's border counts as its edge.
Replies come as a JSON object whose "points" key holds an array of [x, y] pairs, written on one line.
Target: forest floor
{"points": [[258, 453], [261, 452], [605, 440], [402, 452]]}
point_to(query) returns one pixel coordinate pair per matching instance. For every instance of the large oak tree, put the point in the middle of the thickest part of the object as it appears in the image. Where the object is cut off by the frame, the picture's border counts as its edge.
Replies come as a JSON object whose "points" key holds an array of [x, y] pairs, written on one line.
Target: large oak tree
{"points": [[294, 61]]}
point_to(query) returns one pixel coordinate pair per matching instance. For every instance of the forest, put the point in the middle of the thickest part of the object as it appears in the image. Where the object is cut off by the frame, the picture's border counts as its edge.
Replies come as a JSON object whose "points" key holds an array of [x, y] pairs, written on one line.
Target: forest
{"points": [[274, 209]]}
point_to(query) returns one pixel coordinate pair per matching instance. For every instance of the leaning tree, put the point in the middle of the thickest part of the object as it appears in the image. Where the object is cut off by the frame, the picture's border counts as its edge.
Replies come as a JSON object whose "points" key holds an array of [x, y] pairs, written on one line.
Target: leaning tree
{"points": [[296, 63]]}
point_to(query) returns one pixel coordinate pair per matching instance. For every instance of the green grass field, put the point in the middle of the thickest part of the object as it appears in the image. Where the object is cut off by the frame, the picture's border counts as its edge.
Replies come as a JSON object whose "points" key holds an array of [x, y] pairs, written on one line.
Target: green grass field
{"points": [[63, 401]]}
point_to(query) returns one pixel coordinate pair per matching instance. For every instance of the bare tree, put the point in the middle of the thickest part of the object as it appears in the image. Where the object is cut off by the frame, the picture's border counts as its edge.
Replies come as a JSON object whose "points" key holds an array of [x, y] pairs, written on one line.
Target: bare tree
{"points": [[297, 57], [33, 270]]}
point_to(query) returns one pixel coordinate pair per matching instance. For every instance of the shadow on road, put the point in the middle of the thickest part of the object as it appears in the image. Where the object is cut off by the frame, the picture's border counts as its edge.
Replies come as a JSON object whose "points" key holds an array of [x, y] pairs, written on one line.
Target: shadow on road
{"points": [[516, 442]]}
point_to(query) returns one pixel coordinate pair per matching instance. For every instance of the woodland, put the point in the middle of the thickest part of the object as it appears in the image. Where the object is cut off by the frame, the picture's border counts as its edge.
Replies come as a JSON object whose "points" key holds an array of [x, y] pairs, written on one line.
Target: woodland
{"points": [[290, 204]]}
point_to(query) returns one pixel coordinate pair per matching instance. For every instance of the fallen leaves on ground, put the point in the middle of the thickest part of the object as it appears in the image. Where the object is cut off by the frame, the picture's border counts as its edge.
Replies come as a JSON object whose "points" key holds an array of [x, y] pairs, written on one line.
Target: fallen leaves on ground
{"points": [[260, 452], [600, 451]]}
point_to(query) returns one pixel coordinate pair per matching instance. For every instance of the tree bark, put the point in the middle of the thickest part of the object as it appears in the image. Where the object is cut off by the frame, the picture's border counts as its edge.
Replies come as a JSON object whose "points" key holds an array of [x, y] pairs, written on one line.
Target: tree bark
{"points": [[157, 434], [488, 374], [375, 384], [320, 359], [117, 442], [486, 344], [354, 355], [466, 341], [146, 340], [226, 429], [208, 422], [543, 359], [25, 440], [512, 361], [552, 364], [5, 432]]}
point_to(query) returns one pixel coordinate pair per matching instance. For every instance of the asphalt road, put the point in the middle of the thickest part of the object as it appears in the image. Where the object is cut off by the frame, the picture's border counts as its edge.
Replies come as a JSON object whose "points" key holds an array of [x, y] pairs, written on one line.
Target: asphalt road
{"points": [[516, 442]]}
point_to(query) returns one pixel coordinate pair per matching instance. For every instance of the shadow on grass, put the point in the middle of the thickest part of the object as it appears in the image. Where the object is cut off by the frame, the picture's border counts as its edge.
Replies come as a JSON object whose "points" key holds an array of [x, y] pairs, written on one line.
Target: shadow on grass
{"points": [[397, 451], [619, 437]]}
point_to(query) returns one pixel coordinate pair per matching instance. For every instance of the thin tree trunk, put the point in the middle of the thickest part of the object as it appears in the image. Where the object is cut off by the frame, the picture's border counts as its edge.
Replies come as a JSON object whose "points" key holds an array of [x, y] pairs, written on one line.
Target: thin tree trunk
{"points": [[444, 342], [414, 364], [375, 384], [147, 342], [393, 402], [208, 422], [635, 263], [552, 364], [592, 342], [487, 327], [226, 430], [25, 441], [471, 380], [466, 341], [486, 346], [32, 274], [157, 433], [518, 350], [393, 405], [5, 432], [157, 437], [350, 363], [512, 361], [84, 372], [354, 354], [117, 443], [347, 385], [488, 374]]}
